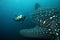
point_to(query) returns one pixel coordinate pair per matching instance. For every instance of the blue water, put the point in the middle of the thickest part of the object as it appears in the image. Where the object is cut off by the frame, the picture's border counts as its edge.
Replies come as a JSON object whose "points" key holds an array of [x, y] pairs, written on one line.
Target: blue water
{"points": [[9, 29]]}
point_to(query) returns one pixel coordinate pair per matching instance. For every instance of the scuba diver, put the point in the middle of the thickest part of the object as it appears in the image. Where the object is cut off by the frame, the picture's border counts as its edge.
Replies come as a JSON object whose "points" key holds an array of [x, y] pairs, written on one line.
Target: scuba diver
{"points": [[20, 18]]}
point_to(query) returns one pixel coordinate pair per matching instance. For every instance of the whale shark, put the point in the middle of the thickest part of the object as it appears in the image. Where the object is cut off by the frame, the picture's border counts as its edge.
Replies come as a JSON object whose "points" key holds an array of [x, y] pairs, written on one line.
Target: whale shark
{"points": [[47, 22]]}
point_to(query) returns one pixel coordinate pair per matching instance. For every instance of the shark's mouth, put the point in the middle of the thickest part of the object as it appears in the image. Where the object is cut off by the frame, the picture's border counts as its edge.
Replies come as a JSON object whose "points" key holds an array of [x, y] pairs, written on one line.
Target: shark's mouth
{"points": [[48, 21]]}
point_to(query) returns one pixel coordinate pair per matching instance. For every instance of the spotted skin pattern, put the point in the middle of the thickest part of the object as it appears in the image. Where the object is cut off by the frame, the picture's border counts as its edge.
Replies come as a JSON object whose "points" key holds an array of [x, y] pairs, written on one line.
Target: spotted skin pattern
{"points": [[48, 18]]}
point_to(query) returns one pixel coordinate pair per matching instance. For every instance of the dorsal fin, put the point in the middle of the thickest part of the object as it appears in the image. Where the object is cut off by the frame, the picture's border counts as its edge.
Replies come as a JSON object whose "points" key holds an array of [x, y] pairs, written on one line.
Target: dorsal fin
{"points": [[37, 5]]}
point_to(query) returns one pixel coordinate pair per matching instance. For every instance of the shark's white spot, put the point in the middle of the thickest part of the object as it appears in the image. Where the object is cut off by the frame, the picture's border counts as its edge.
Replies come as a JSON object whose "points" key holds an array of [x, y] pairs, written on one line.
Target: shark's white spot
{"points": [[57, 34], [40, 20], [41, 15], [44, 22], [55, 29], [51, 17], [49, 11], [49, 29], [58, 29], [54, 16]]}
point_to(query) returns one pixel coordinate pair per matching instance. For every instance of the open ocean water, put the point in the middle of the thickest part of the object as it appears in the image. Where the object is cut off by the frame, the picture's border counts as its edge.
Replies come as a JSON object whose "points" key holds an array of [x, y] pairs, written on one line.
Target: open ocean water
{"points": [[9, 28]]}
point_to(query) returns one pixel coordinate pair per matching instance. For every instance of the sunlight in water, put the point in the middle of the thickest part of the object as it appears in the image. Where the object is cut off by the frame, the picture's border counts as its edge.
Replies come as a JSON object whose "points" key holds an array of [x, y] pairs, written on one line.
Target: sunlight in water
{"points": [[17, 1]]}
